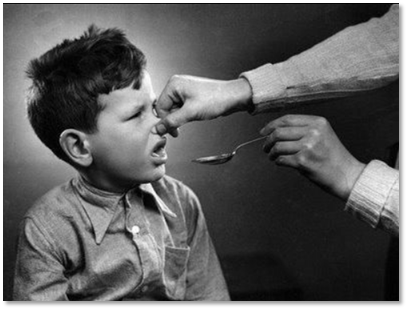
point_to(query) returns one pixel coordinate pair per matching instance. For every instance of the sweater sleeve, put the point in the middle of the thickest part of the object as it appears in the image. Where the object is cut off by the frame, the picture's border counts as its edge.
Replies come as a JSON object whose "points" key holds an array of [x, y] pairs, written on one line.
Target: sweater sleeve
{"points": [[358, 58], [375, 197]]}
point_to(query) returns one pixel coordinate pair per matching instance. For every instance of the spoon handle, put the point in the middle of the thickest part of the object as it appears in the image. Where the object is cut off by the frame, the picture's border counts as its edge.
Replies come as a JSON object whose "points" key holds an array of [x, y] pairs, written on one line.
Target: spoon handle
{"points": [[248, 142]]}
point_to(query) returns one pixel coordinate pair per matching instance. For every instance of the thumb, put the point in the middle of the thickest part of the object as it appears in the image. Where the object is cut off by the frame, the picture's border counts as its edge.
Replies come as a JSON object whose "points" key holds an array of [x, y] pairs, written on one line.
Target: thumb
{"points": [[171, 122]]}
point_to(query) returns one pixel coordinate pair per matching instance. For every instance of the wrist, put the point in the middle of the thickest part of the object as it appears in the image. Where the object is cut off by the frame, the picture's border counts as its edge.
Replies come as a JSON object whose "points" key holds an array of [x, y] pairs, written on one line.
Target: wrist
{"points": [[240, 94], [354, 171]]}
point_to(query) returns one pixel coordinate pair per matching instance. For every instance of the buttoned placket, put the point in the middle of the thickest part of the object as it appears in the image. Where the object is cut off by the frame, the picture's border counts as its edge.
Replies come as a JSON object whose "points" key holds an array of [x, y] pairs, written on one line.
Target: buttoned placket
{"points": [[145, 243]]}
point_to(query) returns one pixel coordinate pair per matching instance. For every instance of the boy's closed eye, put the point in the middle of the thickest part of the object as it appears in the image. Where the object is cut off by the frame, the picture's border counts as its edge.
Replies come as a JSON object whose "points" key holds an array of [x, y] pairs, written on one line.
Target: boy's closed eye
{"points": [[142, 110], [136, 114]]}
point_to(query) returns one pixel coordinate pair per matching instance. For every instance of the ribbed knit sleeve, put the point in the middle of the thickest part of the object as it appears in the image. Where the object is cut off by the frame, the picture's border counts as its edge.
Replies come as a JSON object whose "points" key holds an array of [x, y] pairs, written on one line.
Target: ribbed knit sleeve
{"points": [[375, 197], [359, 58]]}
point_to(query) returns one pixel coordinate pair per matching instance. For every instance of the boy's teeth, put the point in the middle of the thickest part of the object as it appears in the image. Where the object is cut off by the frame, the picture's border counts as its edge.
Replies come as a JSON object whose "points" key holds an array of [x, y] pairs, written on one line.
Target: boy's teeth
{"points": [[159, 151]]}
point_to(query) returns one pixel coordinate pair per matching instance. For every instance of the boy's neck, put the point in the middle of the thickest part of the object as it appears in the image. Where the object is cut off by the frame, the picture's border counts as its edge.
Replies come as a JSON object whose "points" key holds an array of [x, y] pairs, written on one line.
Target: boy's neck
{"points": [[102, 184]]}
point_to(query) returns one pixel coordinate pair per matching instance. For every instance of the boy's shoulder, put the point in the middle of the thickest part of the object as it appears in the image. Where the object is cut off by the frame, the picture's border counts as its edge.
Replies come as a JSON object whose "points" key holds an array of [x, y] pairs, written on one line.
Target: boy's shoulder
{"points": [[59, 201]]}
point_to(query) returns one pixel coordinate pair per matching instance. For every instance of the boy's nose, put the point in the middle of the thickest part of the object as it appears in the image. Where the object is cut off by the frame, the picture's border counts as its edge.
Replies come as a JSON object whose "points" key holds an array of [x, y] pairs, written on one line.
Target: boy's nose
{"points": [[154, 130]]}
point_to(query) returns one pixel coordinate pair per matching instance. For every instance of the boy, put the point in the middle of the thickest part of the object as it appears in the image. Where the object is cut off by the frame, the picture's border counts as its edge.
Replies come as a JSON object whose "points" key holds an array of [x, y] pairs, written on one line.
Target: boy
{"points": [[121, 230]]}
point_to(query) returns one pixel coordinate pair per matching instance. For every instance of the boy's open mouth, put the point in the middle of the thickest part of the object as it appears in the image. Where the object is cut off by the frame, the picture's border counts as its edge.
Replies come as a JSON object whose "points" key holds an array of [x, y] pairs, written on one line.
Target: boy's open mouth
{"points": [[159, 150]]}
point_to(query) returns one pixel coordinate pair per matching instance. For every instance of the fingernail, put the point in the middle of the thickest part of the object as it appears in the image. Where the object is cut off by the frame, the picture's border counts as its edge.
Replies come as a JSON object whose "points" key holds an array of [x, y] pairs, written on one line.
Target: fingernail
{"points": [[161, 129], [175, 133], [262, 132]]}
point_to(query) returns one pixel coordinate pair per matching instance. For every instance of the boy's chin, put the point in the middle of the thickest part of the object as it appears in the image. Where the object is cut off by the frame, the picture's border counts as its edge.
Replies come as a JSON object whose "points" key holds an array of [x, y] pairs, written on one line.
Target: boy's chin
{"points": [[158, 173], [152, 176]]}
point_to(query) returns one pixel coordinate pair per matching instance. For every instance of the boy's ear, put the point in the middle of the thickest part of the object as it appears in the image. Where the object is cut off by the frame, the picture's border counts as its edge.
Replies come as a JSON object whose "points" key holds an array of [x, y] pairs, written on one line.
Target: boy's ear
{"points": [[76, 146]]}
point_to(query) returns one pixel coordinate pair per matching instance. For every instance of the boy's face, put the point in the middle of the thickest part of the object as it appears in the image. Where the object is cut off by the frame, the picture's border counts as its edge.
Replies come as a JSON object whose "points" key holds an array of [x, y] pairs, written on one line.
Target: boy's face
{"points": [[126, 149]]}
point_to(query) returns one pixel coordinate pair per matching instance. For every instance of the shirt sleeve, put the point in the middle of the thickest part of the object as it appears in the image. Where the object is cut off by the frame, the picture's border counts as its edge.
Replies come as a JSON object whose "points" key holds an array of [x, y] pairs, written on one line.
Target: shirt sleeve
{"points": [[205, 280], [359, 58], [375, 197], [39, 273]]}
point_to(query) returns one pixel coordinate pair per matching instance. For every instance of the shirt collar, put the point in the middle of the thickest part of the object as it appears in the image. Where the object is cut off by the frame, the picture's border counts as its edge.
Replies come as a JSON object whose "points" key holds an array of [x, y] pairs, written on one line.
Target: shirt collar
{"points": [[159, 202], [101, 205]]}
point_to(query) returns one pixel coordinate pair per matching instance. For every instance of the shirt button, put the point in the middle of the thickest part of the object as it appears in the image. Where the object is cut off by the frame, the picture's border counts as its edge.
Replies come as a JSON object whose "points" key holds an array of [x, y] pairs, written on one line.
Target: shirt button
{"points": [[144, 289], [135, 230]]}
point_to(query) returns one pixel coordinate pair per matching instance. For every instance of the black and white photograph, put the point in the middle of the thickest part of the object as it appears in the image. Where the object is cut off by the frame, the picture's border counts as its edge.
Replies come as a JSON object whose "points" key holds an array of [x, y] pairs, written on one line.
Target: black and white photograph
{"points": [[201, 152]]}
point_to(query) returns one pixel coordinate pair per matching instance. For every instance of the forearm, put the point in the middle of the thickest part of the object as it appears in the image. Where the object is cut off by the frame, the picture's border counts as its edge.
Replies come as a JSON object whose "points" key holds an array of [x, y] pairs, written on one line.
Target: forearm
{"points": [[357, 59]]}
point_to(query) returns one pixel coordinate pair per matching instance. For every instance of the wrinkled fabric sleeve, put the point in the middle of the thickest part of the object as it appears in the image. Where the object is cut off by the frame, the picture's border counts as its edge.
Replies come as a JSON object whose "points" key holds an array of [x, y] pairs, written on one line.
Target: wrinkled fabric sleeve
{"points": [[357, 59], [375, 197], [39, 273], [205, 280]]}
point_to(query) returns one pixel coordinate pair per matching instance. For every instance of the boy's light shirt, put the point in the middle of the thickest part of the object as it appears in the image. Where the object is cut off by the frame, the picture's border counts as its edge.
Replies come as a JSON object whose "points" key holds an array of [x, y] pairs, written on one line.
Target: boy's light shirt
{"points": [[81, 243], [100, 210], [149, 188]]}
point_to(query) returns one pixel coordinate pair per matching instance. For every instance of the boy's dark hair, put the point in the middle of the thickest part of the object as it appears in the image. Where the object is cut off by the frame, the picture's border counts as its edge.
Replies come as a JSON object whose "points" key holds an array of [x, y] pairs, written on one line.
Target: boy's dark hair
{"points": [[67, 80]]}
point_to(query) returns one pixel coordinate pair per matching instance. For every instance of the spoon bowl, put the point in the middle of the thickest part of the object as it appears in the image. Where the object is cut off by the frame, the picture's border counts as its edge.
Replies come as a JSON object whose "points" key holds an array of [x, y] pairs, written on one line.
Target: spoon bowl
{"points": [[222, 158], [214, 160]]}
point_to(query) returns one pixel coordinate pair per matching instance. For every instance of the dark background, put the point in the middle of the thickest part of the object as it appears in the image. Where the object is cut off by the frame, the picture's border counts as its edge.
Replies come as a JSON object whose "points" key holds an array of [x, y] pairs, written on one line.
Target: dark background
{"points": [[278, 236]]}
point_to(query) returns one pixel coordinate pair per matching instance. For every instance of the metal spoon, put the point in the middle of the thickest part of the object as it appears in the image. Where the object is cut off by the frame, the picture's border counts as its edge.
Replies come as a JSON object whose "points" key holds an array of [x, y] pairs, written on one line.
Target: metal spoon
{"points": [[222, 158]]}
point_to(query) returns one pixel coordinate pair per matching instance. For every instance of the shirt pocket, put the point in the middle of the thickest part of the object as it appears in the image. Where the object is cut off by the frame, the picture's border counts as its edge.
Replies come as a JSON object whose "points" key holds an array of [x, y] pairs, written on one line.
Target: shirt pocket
{"points": [[175, 271]]}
